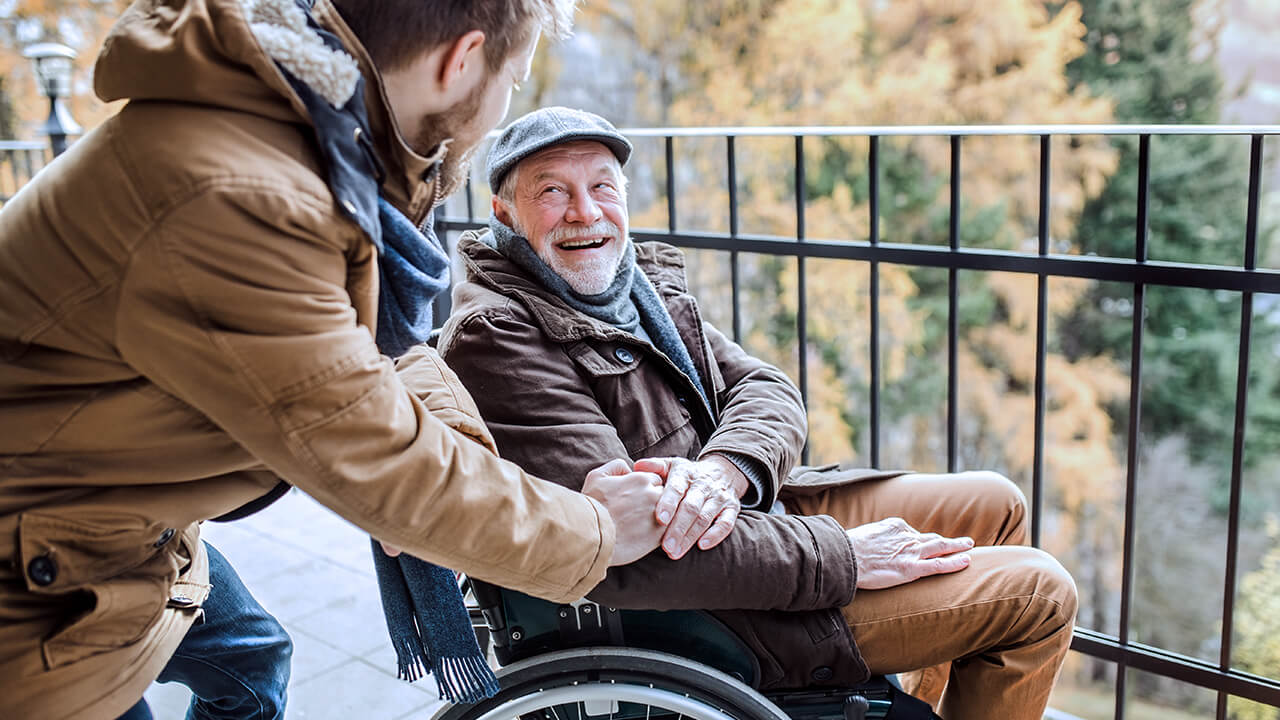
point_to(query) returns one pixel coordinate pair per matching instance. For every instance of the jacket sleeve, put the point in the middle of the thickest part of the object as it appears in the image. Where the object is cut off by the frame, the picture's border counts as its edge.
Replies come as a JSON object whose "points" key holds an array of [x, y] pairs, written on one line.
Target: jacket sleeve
{"points": [[768, 562], [236, 303], [762, 415]]}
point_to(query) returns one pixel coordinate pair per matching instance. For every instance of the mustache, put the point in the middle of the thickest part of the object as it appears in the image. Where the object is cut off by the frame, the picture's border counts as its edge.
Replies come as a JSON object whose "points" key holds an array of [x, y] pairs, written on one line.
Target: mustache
{"points": [[600, 227]]}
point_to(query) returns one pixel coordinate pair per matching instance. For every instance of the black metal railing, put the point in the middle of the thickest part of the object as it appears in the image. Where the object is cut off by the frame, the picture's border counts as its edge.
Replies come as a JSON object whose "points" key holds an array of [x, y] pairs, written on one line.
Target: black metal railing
{"points": [[19, 162], [1138, 272]]}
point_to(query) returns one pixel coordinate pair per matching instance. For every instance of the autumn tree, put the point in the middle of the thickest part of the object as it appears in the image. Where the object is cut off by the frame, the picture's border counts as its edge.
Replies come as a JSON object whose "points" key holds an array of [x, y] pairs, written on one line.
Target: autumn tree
{"points": [[79, 24], [1258, 616], [1157, 68]]}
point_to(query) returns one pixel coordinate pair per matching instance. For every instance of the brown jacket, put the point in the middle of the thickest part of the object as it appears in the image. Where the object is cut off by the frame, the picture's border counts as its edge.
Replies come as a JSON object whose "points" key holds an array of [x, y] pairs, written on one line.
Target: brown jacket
{"points": [[185, 318], [562, 392]]}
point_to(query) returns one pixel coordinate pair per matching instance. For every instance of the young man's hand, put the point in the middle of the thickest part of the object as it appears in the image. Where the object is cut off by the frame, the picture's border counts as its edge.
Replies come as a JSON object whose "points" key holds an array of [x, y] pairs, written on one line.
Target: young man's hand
{"points": [[700, 501], [629, 496]]}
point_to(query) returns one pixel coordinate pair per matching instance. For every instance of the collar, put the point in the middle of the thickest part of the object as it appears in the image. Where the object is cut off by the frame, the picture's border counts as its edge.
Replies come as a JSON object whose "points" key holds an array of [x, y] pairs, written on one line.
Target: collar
{"points": [[411, 181]]}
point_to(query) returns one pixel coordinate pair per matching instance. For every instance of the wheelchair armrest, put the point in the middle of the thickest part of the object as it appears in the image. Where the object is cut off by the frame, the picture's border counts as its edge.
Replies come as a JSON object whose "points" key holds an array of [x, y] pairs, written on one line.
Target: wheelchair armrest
{"points": [[489, 600]]}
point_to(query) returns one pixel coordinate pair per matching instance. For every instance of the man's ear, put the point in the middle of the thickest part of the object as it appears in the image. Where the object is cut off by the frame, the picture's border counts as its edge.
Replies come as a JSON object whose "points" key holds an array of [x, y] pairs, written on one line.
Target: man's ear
{"points": [[501, 211], [462, 58]]}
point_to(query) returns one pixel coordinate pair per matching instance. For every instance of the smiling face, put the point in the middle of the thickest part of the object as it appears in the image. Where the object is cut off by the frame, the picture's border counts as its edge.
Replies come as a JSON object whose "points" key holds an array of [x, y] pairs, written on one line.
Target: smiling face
{"points": [[570, 202]]}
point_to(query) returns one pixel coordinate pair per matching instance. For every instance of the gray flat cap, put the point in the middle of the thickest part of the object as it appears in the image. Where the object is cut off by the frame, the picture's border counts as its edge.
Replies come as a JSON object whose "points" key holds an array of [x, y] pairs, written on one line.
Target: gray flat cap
{"points": [[544, 128]]}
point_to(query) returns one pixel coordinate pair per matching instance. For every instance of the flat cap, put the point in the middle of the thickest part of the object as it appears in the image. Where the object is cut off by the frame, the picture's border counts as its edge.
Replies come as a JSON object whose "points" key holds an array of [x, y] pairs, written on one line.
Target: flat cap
{"points": [[546, 127]]}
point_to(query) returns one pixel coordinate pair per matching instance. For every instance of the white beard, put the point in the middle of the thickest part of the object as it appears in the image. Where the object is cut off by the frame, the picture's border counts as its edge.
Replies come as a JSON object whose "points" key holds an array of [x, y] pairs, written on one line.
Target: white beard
{"points": [[591, 276]]}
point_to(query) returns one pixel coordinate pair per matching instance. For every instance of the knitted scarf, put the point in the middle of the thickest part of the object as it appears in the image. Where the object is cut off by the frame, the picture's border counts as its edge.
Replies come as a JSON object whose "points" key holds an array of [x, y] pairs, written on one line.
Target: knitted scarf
{"points": [[426, 616], [412, 270], [630, 301]]}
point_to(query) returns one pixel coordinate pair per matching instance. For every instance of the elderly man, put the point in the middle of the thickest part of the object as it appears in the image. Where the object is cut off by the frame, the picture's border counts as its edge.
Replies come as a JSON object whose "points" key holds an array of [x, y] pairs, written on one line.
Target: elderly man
{"points": [[198, 302], [579, 345]]}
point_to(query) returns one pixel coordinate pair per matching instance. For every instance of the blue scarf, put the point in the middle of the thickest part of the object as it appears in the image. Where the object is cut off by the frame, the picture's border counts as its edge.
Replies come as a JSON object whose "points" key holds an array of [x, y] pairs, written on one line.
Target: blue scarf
{"points": [[412, 270], [426, 615], [628, 303]]}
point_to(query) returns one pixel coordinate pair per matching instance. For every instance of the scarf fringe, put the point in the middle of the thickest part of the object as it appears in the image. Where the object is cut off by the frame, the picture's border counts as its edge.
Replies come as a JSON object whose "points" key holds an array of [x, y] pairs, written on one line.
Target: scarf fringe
{"points": [[465, 680], [460, 679], [411, 659]]}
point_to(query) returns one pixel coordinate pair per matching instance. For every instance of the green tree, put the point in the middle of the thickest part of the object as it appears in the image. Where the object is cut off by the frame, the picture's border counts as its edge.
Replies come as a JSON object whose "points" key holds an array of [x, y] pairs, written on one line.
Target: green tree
{"points": [[1153, 63]]}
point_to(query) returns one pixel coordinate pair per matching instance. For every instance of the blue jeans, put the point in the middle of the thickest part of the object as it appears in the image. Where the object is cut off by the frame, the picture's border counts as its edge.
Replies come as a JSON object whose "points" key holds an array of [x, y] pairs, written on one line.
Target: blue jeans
{"points": [[236, 662]]}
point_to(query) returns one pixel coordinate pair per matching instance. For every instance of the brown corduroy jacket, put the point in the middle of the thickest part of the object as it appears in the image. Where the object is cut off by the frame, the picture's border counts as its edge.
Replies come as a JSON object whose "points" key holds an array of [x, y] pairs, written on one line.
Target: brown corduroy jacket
{"points": [[561, 392], [186, 317]]}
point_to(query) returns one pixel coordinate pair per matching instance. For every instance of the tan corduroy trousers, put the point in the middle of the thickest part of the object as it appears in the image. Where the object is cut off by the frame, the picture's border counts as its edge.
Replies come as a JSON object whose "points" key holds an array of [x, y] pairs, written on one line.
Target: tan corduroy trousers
{"points": [[992, 637]]}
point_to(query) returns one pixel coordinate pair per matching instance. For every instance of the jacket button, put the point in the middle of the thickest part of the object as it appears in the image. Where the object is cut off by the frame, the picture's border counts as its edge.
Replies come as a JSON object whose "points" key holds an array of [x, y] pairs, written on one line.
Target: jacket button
{"points": [[623, 354], [164, 538], [42, 570], [822, 674], [181, 601]]}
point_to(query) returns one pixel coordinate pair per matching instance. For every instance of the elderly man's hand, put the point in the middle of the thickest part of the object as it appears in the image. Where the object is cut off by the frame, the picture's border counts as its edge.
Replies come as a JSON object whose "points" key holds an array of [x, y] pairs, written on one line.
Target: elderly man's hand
{"points": [[630, 497], [890, 552], [700, 501]]}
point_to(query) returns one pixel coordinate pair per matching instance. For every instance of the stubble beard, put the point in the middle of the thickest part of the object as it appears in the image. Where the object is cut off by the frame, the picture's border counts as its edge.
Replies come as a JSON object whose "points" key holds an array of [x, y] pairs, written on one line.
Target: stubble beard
{"points": [[446, 127]]}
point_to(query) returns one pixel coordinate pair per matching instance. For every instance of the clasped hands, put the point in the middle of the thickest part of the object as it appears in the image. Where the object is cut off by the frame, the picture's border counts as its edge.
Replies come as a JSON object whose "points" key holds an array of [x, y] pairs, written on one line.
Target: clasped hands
{"points": [[699, 501], [679, 502]]}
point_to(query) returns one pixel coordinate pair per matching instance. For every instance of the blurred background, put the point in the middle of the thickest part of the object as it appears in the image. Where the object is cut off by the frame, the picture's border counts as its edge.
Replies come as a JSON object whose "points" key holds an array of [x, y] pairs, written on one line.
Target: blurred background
{"points": [[668, 63]]}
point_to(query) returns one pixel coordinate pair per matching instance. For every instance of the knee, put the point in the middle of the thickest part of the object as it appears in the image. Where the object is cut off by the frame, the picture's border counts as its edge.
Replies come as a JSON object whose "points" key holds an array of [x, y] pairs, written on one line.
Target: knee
{"points": [[1053, 583], [272, 653], [277, 658], [279, 648], [1002, 501]]}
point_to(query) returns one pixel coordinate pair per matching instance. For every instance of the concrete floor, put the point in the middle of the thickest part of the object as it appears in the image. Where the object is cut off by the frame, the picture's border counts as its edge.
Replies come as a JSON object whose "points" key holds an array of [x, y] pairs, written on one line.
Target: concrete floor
{"points": [[314, 572]]}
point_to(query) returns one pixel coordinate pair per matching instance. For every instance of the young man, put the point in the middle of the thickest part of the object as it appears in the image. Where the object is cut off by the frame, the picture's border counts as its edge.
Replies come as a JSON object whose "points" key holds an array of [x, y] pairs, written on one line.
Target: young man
{"points": [[189, 301], [578, 344]]}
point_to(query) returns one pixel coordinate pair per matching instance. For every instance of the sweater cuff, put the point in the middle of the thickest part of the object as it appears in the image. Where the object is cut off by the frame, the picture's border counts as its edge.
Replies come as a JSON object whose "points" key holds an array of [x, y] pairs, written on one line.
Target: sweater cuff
{"points": [[757, 476]]}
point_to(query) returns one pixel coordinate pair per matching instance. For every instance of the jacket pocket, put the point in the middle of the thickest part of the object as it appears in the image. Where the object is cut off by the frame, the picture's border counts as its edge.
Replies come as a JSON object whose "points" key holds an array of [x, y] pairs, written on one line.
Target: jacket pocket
{"points": [[651, 419], [113, 573], [120, 613], [744, 624]]}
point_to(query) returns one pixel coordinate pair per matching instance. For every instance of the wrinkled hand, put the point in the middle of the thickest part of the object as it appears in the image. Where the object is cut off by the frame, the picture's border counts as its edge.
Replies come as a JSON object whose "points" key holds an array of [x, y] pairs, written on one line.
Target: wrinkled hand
{"points": [[700, 501], [630, 497], [890, 552]]}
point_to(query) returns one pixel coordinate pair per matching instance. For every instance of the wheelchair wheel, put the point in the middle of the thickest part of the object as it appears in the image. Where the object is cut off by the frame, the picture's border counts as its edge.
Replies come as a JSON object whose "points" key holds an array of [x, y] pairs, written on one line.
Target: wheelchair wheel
{"points": [[606, 683]]}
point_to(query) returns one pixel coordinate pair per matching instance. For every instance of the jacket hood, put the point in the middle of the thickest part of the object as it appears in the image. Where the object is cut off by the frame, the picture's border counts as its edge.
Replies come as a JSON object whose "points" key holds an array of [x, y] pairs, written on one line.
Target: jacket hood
{"points": [[223, 53], [218, 53]]}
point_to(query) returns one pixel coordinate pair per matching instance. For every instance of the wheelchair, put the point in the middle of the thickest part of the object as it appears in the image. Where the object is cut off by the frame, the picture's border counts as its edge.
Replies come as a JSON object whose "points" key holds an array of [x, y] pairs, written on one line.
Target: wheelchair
{"points": [[584, 661]]}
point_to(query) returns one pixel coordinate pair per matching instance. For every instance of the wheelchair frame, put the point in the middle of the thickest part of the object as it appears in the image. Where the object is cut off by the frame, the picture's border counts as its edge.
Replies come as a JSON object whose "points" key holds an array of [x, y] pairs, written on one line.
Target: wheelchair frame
{"points": [[583, 661]]}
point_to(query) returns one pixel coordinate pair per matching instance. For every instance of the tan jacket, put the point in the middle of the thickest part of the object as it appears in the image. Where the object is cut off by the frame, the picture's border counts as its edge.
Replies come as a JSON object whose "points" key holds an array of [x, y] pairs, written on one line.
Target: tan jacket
{"points": [[185, 318]]}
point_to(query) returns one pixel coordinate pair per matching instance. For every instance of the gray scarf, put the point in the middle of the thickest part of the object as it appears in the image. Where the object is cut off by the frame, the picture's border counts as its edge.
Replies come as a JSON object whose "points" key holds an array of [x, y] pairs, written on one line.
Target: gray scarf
{"points": [[629, 303]]}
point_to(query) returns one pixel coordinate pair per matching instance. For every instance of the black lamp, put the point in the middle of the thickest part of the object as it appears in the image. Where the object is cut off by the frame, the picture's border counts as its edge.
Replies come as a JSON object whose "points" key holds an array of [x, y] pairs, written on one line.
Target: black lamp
{"points": [[53, 65]]}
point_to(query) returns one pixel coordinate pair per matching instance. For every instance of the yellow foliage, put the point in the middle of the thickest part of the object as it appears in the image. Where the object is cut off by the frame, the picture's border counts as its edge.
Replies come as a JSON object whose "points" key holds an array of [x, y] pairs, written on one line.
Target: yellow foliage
{"points": [[76, 23], [1257, 617]]}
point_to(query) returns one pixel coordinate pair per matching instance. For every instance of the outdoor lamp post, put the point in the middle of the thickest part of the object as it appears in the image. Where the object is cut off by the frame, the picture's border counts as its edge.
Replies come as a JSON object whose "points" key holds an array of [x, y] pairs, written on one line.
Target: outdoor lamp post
{"points": [[53, 66]]}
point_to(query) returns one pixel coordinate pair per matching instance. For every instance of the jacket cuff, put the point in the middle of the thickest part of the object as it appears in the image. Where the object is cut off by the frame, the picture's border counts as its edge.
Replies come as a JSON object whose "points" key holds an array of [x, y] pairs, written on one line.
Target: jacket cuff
{"points": [[838, 573], [604, 553]]}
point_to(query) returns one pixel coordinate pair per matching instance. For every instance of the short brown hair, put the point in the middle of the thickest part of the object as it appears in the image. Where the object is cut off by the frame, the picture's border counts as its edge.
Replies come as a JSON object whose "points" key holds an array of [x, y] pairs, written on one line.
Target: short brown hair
{"points": [[396, 32]]}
